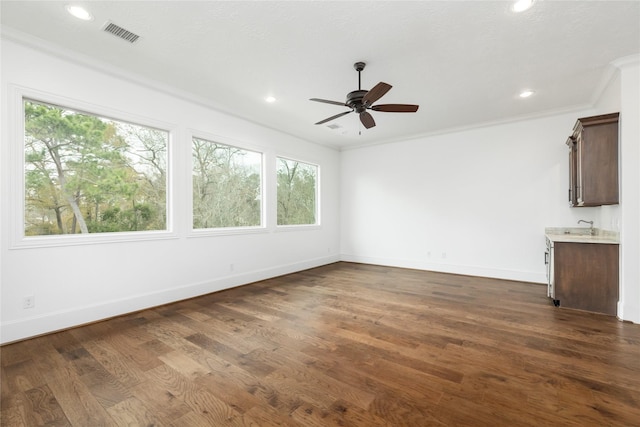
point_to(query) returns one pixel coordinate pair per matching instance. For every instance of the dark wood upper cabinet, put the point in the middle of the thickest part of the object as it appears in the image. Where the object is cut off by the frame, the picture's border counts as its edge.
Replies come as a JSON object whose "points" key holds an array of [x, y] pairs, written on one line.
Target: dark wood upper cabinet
{"points": [[593, 161]]}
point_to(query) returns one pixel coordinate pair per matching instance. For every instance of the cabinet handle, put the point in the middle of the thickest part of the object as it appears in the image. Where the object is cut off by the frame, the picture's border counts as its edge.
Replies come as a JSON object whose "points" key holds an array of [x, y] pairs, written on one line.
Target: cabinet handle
{"points": [[546, 258]]}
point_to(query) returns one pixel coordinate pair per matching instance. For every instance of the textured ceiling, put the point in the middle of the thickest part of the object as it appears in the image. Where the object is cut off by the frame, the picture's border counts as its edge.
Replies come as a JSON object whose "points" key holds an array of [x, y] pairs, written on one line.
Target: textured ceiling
{"points": [[463, 62]]}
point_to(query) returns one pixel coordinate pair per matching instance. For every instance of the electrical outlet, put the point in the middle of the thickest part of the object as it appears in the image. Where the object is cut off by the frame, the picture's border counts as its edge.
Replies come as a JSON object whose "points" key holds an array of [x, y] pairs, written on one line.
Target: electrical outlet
{"points": [[29, 301]]}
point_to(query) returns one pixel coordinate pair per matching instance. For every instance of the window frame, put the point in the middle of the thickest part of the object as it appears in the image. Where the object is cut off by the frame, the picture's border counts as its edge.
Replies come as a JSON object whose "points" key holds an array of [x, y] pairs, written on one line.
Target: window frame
{"points": [[295, 227], [16, 117], [230, 142]]}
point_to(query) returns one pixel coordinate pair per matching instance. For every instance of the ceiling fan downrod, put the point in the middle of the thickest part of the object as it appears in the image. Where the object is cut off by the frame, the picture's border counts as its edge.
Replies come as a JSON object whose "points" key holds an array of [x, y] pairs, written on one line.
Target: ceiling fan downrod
{"points": [[359, 66]]}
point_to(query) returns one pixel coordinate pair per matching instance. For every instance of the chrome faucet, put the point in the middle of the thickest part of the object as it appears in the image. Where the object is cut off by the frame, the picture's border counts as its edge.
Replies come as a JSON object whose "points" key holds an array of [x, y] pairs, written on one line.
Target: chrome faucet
{"points": [[591, 229]]}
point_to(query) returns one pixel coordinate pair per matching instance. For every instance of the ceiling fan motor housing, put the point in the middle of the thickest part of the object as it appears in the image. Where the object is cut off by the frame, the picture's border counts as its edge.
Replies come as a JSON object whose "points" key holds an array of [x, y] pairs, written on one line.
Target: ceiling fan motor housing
{"points": [[354, 100]]}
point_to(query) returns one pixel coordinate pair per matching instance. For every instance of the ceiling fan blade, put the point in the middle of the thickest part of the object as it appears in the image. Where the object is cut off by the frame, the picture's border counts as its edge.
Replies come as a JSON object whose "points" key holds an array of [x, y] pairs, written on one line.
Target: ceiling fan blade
{"points": [[334, 117], [396, 108], [376, 93], [326, 101], [367, 120]]}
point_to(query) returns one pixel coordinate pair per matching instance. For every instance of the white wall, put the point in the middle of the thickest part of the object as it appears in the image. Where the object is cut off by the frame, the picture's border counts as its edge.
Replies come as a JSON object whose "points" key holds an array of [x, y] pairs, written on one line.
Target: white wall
{"points": [[629, 306], [623, 94], [473, 202], [76, 284]]}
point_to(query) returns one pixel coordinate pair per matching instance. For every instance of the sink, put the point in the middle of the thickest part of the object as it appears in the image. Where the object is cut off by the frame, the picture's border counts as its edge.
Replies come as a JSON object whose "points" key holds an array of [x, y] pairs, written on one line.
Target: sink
{"points": [[575, 231], [577, 237]]}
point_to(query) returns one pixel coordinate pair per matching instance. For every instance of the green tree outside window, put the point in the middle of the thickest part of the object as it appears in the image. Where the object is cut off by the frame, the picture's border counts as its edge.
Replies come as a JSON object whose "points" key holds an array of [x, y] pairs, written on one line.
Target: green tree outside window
{"points": [[89, 174], [227, 186], [297, 204]]}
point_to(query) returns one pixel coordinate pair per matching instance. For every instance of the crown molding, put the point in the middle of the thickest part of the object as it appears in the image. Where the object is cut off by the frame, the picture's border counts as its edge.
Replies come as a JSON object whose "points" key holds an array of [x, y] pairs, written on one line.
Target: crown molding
{"points": [[579, 108], [626, 61]]}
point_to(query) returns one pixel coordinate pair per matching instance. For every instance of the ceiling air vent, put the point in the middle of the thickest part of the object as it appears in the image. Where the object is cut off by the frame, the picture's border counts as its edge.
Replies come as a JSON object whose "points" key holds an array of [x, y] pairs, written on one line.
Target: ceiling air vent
{"points": [[118, 31]]}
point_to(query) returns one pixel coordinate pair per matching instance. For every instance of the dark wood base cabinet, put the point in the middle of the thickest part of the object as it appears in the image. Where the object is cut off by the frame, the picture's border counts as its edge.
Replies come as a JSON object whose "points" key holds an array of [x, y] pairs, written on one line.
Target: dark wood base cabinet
{"points": [[586, 276]]}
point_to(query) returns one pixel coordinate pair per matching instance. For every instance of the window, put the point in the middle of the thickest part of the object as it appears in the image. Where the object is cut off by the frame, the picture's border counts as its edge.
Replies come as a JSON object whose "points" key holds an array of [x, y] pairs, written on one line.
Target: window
{"points": [[297, 192], [227, 186], [89, 174]]}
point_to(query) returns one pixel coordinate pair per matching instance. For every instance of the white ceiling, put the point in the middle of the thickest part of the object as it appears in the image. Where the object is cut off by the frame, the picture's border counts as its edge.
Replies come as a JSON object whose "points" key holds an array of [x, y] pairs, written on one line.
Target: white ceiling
{"points": [[463, 62]]}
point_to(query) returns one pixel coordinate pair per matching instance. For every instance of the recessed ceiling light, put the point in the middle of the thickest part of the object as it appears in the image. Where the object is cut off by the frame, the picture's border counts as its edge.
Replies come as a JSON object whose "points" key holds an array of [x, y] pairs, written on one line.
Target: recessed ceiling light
{"points": [[526, 93], [522, 5], [270, 99], [79, 12]]}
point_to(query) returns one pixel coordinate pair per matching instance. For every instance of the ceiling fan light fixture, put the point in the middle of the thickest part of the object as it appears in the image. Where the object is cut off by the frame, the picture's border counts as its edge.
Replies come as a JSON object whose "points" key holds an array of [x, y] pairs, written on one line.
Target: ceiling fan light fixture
{"points": [[521, 5], [79, 12]]}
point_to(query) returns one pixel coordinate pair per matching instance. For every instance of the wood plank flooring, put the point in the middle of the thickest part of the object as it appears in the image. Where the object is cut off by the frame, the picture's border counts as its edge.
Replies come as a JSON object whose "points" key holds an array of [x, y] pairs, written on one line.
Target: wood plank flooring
{"points": [[340, 345]]}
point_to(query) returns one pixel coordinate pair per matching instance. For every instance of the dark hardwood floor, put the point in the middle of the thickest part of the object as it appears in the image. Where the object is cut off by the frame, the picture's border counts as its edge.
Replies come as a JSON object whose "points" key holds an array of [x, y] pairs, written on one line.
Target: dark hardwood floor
{"points": [[344, 344]]}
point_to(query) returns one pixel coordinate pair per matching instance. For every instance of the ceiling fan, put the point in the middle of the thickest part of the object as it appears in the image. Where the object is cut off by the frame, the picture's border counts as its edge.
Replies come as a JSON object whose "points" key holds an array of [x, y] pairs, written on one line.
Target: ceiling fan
{"points": [[361, 100]]}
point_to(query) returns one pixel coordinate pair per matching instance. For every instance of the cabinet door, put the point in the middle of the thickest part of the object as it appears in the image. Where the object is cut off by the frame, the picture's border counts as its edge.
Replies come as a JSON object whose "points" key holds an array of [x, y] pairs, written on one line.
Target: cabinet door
{"points": [[598, 165], [586, 276]]}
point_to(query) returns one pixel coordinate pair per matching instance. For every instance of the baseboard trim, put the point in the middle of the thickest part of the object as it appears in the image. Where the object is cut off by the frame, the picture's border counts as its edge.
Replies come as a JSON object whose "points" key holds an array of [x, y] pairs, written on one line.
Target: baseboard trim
{"points": [[516, 275], [628, 312], [64, 319]]}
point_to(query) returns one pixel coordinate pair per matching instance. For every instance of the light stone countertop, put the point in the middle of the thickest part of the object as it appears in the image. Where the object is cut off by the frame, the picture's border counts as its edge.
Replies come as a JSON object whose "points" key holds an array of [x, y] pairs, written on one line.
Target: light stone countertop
{"points": [[581, 235]]}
